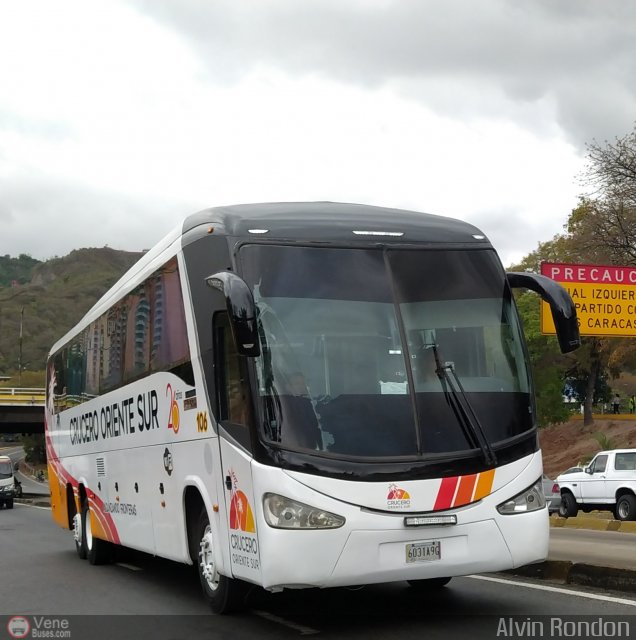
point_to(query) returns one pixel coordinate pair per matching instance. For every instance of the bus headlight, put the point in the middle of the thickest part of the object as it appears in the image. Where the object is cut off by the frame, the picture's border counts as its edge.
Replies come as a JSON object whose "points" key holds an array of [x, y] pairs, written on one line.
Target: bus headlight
{"points": [[284, 513], [532, 499]]}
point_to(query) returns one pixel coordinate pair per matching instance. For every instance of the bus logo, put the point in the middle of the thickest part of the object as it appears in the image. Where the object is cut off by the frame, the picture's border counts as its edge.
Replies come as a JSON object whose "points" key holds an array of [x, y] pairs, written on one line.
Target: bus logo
{"points": [[398, 498], [173, 414], [241, 516], [18, 627], [167, 461]]}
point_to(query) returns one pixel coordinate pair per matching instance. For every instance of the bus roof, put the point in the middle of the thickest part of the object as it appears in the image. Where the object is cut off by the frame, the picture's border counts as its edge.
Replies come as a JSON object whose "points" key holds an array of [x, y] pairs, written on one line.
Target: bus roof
{"points": [[334, 222], [298, 221]]}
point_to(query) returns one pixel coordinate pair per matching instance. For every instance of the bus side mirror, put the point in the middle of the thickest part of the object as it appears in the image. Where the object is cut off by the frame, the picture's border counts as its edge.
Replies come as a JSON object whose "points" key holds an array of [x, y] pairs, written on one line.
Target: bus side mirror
{"points": [[561, 305], [241, 310]]}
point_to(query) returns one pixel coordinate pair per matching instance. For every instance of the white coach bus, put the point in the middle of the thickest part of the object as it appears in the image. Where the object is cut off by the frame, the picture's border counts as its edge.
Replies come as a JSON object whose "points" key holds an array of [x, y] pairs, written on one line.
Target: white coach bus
{"points": [[305, 395]]}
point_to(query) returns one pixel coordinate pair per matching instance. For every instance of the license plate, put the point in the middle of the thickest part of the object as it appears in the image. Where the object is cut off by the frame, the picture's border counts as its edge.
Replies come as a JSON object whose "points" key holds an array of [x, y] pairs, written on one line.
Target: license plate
{"points": [[424, 551]]}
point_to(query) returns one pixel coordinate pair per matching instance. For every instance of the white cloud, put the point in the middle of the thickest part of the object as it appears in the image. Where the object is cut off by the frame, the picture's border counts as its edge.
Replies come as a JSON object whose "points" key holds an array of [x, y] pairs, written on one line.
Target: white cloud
{"points": [[117, 119]]}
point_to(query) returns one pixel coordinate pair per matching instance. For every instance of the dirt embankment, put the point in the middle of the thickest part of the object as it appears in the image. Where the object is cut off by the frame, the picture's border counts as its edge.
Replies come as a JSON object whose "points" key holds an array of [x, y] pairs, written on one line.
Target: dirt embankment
{"points": [[565, 445]]}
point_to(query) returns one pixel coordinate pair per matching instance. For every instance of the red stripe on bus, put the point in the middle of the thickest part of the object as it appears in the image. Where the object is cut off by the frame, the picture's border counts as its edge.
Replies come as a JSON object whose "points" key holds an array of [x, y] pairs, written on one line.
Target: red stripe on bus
{"points": [[111, 528], [446, 493], [465, 491]]}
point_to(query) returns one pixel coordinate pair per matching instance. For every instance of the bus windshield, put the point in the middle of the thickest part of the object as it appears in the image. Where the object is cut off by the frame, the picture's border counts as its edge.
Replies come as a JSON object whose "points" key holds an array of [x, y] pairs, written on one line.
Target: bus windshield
{"points": [[349, 339]]}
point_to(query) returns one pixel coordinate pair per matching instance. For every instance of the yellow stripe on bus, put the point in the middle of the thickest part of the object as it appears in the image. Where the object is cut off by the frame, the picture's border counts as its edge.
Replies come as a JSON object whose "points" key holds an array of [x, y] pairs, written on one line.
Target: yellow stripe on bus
{"points": [[484, 484]]}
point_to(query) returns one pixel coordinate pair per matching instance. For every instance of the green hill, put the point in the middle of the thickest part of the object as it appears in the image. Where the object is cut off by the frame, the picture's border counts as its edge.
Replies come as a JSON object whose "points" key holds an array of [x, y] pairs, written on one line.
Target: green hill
{"points": [[54, 295], [16, 270]]}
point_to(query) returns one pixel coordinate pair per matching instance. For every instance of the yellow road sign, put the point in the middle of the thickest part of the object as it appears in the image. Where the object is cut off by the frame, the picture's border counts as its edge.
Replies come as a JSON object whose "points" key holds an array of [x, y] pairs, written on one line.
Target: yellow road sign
{"points": [[604, 296]]}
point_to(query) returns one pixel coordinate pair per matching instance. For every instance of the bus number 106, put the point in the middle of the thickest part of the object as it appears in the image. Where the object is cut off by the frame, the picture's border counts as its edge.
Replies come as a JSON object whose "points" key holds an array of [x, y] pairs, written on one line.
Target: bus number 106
{"points": [[202, 421]]}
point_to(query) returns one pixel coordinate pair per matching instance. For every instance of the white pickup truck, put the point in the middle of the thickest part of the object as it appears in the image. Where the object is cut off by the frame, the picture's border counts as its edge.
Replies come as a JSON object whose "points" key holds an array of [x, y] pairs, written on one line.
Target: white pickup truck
{"points": [[607, 483]]}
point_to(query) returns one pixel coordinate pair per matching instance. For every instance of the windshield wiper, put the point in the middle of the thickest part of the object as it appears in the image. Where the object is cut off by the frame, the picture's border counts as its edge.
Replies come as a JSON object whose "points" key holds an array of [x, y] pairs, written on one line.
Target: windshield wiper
{"points": [[462, 408]]}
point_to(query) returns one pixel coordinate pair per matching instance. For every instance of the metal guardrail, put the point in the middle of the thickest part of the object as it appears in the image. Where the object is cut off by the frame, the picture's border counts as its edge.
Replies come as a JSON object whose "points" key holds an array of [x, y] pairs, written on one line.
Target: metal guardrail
{"points": [[23, 396]]}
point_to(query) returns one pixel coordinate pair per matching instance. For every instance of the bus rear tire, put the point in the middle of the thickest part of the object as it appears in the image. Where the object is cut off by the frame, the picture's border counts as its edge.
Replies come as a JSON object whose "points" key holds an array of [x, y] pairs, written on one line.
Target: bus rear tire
{"points": [[224, 595], [428, 584], [97, 550]]}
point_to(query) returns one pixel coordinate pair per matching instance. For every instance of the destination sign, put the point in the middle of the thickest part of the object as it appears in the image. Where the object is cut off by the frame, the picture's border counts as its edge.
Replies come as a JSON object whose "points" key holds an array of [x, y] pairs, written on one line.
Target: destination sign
{"points": [[604, 296]]}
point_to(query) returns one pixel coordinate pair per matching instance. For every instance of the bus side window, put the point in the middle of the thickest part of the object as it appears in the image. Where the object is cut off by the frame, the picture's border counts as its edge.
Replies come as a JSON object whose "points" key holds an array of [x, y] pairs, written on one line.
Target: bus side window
{"points": [[233, 404]]}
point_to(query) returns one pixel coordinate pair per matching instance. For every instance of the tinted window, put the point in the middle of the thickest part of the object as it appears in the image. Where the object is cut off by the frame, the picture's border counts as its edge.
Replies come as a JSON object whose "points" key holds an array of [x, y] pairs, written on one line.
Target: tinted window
{"points": [[625, 462], [233, 389], [600, 463], [142, 333], [347, 340]]}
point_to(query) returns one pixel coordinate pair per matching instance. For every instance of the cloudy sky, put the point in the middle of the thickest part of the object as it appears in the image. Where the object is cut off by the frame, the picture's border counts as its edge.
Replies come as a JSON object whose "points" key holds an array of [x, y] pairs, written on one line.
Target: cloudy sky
{"points": [[120, 117]]}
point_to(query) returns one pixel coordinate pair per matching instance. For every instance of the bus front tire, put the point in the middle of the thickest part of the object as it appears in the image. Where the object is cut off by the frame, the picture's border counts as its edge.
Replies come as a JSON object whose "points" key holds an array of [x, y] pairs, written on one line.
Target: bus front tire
{"points": [[97, 550], [224, 595], [428, 583]]}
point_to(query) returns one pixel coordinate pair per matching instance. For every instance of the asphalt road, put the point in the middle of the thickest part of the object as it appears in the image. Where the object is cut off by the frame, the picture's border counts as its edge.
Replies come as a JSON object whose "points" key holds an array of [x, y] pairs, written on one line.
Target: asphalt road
{"points": [[146, 597], [603, 548]]}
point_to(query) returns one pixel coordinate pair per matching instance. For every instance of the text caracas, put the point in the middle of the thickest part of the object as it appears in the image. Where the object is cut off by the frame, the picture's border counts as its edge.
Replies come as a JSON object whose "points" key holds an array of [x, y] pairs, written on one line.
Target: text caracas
{"points": [[117, 419]]}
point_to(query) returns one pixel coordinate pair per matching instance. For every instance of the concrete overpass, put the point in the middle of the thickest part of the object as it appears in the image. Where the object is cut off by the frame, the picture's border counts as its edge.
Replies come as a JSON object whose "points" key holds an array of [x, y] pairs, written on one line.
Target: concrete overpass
{"points": [[22, 410]]}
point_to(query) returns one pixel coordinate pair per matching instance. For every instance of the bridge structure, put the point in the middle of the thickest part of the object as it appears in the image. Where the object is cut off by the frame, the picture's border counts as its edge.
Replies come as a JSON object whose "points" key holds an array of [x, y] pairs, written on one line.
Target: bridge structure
{"points": [[22, 410]]}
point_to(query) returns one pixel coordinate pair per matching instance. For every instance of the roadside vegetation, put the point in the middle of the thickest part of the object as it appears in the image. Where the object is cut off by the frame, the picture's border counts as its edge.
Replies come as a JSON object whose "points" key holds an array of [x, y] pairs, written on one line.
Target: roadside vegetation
{"points": [[46, 299], [600, 230]]}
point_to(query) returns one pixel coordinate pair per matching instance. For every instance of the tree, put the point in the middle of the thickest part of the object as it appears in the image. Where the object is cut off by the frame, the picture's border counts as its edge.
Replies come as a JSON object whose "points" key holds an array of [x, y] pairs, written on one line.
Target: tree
{"points": [[591, 362], [605, 231], [34, 448], [606, 218], [611, 169], [600, 230], [577, 384], [550, 367]]}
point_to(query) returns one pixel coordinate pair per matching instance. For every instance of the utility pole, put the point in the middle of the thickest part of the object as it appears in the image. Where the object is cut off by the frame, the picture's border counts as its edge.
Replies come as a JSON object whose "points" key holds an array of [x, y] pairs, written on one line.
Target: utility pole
{"points": [[20, 349]]}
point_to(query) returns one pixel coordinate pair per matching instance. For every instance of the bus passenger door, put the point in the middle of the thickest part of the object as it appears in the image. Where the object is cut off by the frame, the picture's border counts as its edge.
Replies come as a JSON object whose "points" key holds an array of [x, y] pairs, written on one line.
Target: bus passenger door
{"points": [[235, 419]]}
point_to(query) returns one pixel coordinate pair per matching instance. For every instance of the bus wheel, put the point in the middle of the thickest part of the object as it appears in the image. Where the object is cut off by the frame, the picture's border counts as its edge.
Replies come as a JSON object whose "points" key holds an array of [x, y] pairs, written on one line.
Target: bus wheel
{"points": [[428, 584], [97, 550], [222, 593], [9, 503], [78, 536]]}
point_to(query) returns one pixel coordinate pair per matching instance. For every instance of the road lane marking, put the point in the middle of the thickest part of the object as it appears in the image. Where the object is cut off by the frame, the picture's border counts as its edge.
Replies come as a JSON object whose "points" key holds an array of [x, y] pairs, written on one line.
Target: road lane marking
{"points": [[32, 506], [132, 567], [569, 592], [304, 631]]}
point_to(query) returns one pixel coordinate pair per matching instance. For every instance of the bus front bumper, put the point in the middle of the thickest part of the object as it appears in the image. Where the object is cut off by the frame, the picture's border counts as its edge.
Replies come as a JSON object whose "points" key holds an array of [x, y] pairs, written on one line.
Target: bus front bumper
{"points": [[366, 556]]}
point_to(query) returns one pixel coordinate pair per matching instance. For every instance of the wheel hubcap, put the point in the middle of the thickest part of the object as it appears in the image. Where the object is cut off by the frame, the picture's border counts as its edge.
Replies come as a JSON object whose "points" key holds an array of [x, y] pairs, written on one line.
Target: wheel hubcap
{"points": [[77, 529], [207, 565], [623, 510], [87, 531]]}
